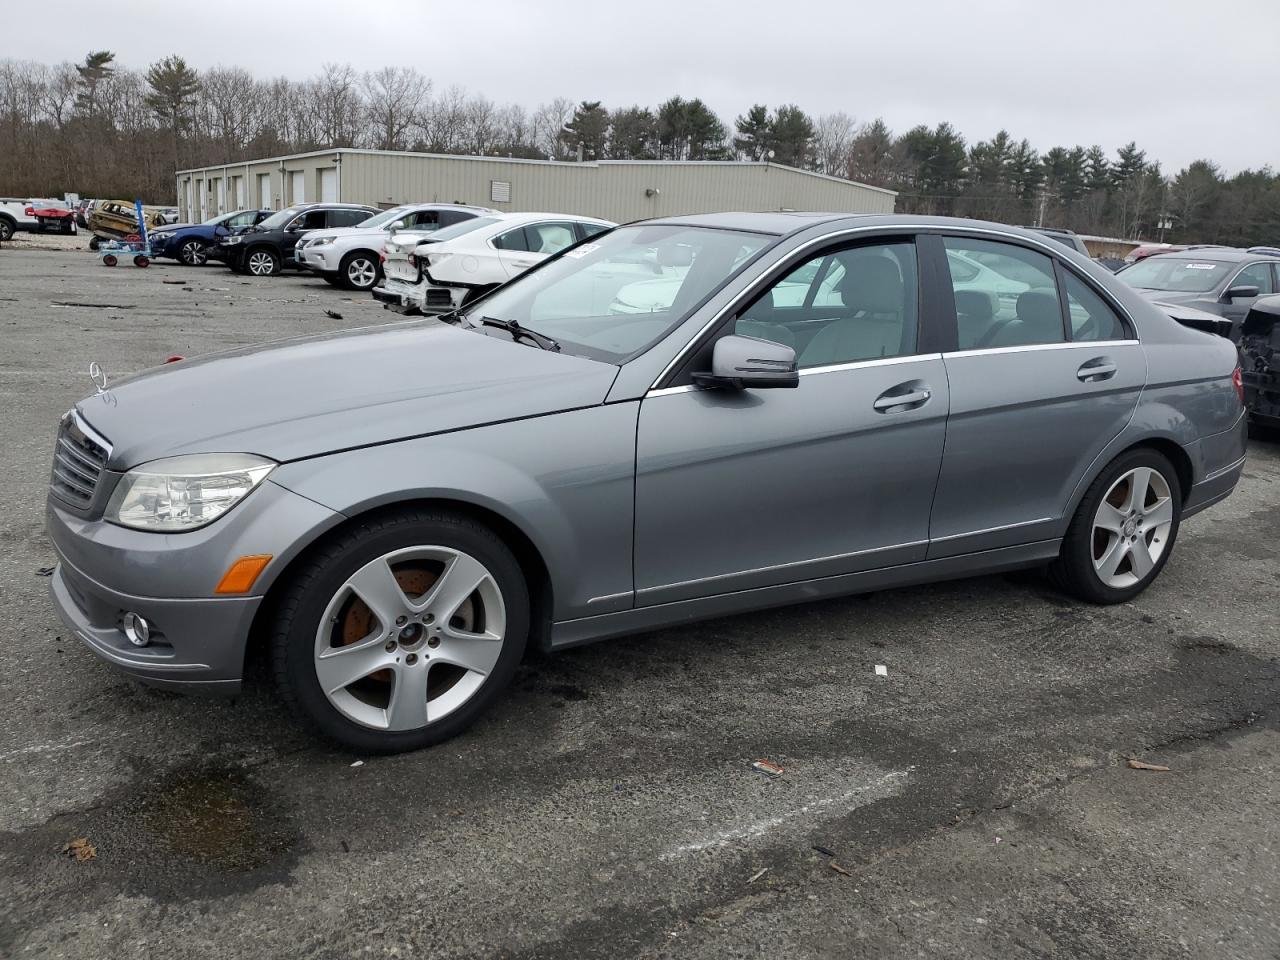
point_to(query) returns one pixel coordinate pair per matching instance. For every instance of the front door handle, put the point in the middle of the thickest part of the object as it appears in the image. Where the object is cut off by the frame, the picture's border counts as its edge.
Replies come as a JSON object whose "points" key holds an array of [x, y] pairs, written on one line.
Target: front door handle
{"points": [[916, 395], [1099, 368]]}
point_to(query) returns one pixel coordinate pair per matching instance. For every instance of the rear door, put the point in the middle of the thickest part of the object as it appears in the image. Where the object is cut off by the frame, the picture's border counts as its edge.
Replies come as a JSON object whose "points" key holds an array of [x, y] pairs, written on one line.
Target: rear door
{"points": [[1044, 373], [526, 246]]}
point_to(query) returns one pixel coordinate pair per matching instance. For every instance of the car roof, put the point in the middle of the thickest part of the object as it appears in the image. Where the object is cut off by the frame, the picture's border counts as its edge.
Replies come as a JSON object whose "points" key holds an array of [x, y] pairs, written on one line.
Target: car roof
{"points": [[1211, 255], [527, 216]]}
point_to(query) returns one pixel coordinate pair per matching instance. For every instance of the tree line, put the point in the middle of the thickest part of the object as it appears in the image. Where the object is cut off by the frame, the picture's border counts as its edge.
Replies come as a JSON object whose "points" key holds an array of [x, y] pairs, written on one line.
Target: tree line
{"points": [[102, 129]]}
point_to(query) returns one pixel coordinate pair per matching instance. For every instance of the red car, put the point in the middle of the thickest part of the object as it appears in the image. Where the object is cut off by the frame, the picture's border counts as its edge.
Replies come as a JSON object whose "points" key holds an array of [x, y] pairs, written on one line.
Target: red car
{"points": [[59, 219]]}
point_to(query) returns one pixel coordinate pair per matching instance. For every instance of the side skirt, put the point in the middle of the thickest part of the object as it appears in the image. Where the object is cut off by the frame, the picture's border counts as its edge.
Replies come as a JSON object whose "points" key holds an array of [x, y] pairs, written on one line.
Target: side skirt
{"points": [[572, 633]]}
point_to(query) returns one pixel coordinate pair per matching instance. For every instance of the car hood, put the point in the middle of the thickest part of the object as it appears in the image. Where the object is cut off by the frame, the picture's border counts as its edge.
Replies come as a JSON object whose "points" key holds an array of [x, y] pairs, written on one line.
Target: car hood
{"points": [[309, 396]]}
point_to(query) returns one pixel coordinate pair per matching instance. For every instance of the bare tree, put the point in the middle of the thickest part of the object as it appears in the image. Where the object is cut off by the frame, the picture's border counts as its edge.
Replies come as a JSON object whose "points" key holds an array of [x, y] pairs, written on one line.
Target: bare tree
{"points": [[548, 128], [394, 99], [833, 136]]}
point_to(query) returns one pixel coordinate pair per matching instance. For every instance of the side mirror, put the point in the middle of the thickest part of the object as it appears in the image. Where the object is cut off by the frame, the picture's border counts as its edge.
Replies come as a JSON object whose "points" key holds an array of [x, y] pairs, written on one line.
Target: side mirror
{"points": [[396, 225], [742, 363], [1241, 292], [295, 227]]}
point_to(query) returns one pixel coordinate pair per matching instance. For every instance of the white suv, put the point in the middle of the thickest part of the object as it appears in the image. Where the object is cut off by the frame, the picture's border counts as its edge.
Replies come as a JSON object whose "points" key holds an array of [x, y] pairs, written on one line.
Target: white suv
{"points": [[456, 265], [349, 256]]}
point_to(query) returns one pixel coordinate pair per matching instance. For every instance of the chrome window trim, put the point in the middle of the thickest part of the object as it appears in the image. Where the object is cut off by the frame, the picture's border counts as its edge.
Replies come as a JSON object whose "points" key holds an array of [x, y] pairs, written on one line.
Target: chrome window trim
{"points": [[916, 230], [781, 566], [1027, 347], [809, 371], [877, 362]]}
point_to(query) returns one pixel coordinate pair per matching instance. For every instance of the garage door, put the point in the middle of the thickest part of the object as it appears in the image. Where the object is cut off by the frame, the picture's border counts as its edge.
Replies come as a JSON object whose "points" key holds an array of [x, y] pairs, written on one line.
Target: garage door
{"points": [[328, 186], [239, 182], [297, 187], [264, 191]]}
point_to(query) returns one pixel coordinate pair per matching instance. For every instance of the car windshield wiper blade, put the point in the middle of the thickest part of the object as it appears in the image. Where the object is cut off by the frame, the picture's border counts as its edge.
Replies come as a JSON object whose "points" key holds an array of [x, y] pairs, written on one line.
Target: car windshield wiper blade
{"points": [[513, 327]]}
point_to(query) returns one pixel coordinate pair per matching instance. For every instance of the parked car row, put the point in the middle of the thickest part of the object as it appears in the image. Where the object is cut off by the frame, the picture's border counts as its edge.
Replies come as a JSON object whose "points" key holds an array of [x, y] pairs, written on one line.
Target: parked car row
{"points": [[35, 215]]}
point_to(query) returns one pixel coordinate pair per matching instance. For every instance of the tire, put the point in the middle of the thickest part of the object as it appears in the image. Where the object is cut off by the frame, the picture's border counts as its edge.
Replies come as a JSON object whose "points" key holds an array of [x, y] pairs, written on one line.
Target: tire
{"points": [[141, 261], [1111, 555], [6, 229], [110, 260], [319, 613], [194, 253], [262, 262], [359, 270], [94, 243]]}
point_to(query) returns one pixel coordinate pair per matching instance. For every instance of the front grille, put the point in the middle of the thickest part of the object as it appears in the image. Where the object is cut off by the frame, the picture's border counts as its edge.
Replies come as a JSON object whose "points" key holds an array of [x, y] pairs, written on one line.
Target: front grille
{"points": [[78, 461]]}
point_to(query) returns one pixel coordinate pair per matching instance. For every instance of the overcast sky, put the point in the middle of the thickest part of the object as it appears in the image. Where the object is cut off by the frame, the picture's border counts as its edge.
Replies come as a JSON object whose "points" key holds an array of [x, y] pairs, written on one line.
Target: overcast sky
{"points": [[1184, 78]]}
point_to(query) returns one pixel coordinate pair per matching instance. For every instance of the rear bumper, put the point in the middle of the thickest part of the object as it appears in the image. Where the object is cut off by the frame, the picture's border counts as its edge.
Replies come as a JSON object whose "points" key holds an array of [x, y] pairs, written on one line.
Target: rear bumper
{"points": [[1227, 452], [420, 297]]}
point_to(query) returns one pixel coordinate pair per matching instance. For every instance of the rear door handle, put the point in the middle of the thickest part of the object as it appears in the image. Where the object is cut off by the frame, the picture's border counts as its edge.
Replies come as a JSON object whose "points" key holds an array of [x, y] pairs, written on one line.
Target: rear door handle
{"points": [[897, 402], [1099, 368]]}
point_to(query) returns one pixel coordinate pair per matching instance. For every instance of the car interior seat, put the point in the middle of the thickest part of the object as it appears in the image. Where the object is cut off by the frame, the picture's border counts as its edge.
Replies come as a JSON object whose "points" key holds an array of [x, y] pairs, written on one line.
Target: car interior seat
{"points": [[1039, 320], [975, 314], [554, 239], [874, 300]]}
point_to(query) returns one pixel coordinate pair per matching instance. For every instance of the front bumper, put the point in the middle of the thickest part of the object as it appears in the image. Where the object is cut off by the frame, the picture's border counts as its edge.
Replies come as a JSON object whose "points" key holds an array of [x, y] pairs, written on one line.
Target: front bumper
{"points": [[317, 259], [198, 638]]}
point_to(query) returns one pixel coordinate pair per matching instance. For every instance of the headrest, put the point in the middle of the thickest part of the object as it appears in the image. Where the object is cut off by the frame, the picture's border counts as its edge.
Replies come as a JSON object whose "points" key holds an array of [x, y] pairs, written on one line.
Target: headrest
{"points": [[871, 284], [1038, 309], [975, 305]]}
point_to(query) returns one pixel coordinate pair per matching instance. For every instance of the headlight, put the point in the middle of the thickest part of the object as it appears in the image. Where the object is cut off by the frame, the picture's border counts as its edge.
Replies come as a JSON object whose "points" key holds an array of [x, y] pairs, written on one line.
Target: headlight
{"points": [[184, 493], [320, 242], [235, 238]]}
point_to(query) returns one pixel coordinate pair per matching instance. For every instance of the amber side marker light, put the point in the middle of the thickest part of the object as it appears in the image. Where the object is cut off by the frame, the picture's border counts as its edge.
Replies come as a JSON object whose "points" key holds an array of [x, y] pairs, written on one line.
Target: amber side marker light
{"points": [[242, 574]]}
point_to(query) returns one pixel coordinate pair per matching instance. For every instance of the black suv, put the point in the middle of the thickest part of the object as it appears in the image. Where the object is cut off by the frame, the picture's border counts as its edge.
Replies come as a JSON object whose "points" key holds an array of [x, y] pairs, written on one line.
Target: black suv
{"points": [[1067, 238], [267, 249]]}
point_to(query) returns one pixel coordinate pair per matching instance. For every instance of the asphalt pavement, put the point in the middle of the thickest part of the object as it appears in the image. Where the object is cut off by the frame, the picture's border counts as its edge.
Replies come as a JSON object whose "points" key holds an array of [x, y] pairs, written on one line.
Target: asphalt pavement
{"points": [[974, 802]]}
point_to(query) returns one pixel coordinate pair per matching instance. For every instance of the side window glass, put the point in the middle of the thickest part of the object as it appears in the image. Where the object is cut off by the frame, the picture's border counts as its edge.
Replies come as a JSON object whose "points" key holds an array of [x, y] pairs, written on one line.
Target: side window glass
{"points": [[591, 229], [858, 303], [313, 220], [1091, 318], [425, 220], [1005, 295], [1256, 275], [447, 218], [513, 240], [549, 238]]}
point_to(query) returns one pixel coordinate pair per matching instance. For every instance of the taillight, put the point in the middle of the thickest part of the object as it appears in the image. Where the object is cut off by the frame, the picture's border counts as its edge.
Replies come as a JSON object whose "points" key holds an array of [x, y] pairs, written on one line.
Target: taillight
{"points": [[1237, 381], [31, 211]]}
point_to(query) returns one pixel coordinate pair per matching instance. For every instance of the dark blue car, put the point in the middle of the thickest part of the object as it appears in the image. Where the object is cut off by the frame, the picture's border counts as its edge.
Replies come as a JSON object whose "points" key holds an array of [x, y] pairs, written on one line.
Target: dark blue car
{"points": [[189, 242]]}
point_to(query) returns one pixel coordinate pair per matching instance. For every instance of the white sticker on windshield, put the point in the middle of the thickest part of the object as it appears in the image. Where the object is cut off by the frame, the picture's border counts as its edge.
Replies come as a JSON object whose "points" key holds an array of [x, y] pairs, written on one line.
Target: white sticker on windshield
{"points": [[583, 250], [1202, 266]]}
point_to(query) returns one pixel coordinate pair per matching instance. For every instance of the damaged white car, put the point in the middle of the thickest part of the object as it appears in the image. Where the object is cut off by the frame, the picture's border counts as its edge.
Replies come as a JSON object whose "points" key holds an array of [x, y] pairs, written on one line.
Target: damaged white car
{"points": [[455, 265]]}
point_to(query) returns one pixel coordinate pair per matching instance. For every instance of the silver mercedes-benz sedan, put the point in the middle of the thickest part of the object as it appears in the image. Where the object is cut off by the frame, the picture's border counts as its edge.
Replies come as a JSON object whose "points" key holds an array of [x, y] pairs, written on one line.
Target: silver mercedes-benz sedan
{"points": [[808, 405]]}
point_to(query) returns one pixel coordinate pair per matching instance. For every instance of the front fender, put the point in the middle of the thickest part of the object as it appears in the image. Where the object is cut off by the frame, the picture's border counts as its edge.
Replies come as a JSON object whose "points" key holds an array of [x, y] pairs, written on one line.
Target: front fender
{"points": [[565, 480]]}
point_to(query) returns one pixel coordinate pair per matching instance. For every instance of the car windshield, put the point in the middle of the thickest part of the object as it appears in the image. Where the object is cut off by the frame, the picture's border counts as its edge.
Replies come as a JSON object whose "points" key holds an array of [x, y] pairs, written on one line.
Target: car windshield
{"points": [[385, 217], [458, 229], [622, 291], [280, 218], [1174, 274]]}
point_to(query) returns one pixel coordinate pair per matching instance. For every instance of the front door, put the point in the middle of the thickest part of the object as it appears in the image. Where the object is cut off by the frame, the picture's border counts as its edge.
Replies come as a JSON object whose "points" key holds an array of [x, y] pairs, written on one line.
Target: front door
{"points": [[1254, 275], [752, 488], [1044, 376]]}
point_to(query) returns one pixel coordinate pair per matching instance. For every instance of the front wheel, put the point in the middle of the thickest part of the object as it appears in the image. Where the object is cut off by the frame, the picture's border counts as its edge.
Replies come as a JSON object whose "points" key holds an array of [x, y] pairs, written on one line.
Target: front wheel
{"points": [[359, 271], [262, 262], [1123, 530], [194, 253], [399, 633], [94, 243]]}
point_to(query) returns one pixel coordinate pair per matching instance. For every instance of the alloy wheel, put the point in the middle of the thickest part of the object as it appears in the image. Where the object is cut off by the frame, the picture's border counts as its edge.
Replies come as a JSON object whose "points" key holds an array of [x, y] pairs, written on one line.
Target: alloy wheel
{"points": [[261, 263], [410, 637], [361, 273], [193, 254], [1131, 527]]}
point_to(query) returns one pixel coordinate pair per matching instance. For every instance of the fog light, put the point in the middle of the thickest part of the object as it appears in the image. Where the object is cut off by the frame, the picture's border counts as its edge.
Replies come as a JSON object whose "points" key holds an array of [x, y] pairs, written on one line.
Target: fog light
{"points": [[136, 629]]}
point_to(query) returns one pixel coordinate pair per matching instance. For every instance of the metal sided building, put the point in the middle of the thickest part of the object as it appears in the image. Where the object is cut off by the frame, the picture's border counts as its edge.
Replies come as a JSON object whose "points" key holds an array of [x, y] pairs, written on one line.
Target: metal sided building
{"points": [[618, 190]]}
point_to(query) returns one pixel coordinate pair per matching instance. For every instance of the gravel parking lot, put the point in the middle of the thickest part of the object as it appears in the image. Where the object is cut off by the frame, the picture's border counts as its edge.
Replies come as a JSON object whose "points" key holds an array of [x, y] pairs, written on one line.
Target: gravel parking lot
{"points": [[975, 802]]}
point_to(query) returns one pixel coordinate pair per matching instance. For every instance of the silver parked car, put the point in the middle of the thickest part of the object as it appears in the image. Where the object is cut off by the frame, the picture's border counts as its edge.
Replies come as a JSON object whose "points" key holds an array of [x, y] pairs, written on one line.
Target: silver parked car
{"points": [[399, 511]]}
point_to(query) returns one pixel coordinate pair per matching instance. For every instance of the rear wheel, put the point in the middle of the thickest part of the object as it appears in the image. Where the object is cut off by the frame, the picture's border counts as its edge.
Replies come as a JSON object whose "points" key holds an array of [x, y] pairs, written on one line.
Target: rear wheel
{"points": [[194, 253], [6, 229], [141, 261], [1123, 531], [402, 631], [110, 260], [262, 262], [94, 243], [359, 270]]}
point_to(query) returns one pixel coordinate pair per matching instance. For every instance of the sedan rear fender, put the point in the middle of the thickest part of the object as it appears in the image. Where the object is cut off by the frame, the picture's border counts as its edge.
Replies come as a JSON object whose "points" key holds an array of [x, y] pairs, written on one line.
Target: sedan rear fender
{"points": [[565, 481]]}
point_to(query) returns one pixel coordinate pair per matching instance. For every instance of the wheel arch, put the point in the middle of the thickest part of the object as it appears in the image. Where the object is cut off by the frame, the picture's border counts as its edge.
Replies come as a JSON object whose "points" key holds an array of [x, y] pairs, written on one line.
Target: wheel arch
{"points": [[1166, 445], [13, 224], [532, 564]]}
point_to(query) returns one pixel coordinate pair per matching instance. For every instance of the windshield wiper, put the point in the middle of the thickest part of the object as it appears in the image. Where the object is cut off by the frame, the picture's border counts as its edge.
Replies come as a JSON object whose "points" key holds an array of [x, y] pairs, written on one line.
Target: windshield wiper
{"points": [[513, 327]]}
